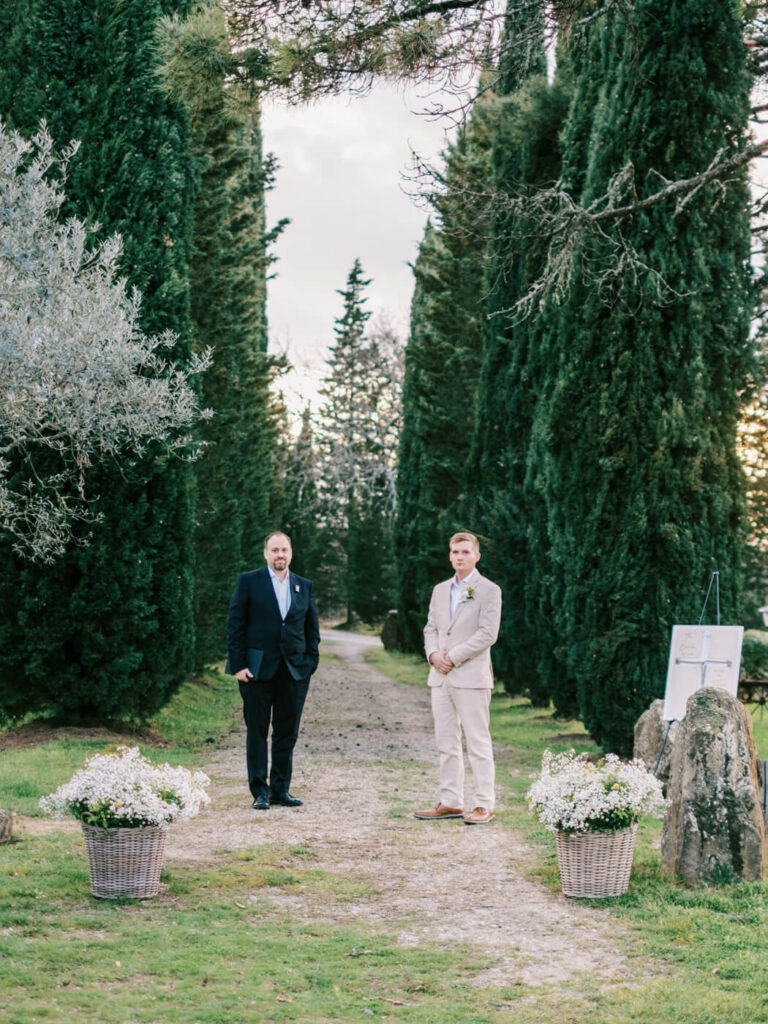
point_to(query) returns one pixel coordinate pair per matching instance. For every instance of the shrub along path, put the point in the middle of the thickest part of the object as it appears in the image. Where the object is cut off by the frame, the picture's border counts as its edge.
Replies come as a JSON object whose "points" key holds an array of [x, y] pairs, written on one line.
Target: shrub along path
{"points": [[365, 759]]}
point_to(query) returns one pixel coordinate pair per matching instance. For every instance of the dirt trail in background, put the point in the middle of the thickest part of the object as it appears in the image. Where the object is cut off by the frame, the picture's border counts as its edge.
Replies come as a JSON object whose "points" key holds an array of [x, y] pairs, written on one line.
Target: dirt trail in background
{"points": [[365, 759]]}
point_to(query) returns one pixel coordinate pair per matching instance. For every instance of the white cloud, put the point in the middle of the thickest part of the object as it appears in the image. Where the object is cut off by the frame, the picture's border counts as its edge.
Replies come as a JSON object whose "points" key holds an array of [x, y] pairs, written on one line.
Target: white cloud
{"points": [[340, 183]]}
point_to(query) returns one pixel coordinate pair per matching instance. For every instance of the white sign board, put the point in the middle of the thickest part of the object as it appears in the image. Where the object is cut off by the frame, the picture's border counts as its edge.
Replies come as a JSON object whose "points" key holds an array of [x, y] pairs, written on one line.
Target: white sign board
{"points": [[701, 656]]}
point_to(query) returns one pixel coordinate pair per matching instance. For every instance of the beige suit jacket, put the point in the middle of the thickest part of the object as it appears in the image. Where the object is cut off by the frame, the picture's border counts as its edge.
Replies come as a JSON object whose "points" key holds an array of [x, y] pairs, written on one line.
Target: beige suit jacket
{"points": [[467, 637]]}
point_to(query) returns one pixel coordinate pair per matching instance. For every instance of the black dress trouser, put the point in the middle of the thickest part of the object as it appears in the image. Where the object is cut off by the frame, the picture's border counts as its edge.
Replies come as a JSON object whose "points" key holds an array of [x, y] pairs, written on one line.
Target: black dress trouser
{"points": [[278, 701]]}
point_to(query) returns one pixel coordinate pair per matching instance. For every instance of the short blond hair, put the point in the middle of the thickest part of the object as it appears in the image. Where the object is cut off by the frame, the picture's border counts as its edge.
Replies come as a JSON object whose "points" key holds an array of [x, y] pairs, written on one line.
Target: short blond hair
{"points": [[464, 535]]}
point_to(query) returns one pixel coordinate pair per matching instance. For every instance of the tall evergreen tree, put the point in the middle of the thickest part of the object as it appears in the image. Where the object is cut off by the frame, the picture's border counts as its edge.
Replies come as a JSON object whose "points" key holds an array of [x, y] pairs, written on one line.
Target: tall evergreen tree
{"points": [[644, 489], [228, 277], [441, 372], [416, 472], [754, 452], [228, 268], [108, 630], [300, 516], [357, 438], [589, 72], [526, 155]]}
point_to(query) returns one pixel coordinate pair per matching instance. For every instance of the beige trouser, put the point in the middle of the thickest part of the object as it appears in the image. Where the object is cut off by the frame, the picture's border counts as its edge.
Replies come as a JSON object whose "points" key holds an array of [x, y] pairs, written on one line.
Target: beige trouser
{"points": [[455, 708]]}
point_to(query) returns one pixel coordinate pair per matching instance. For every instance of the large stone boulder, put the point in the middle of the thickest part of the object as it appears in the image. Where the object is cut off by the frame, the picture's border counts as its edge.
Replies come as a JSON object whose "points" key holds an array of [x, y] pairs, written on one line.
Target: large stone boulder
{"points": [[655, 740], [714, 830], [389, 633], [6, 825]]}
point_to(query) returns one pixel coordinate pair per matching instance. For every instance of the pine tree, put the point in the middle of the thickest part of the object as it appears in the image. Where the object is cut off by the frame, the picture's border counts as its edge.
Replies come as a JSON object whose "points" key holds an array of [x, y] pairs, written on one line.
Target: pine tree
{"points": [[644, 490], [357, 437], [108, 630], [300, 517]]}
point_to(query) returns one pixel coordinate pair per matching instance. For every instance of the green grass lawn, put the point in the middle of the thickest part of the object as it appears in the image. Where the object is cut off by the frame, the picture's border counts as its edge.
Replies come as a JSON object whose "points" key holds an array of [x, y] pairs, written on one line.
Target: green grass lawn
{"points": [[194, 721], [217, 945], [710, 945], [204, 950]]}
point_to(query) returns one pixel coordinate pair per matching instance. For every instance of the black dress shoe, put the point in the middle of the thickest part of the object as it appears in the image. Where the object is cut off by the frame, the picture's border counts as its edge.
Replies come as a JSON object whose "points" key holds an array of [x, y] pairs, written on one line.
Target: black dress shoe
{"points": [[285, 800], [261, 802]]}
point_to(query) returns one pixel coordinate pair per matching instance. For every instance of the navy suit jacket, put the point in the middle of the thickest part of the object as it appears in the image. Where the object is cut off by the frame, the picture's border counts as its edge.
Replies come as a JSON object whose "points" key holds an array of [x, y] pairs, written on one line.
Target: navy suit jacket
{"points": [[255, 622]]}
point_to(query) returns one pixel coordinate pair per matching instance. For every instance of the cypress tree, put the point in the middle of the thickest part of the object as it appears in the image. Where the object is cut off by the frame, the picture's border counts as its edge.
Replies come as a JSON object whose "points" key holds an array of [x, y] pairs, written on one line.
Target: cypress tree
{"points": [[442, 363], [543, 644], [108, 630], [526, 155], [228, 278], [754, 442], [644, 490], [419, 548], [228, 267]]}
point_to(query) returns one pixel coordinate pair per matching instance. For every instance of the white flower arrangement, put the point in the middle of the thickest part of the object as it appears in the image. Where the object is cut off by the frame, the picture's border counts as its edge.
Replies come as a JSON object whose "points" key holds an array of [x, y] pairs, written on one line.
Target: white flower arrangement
{"points": [[576, 795], [125, 790]]}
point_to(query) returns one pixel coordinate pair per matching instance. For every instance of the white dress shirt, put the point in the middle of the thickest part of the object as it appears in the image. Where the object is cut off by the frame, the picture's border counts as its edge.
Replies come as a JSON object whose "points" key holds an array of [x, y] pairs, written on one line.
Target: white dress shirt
{"points": [[459, 590]]}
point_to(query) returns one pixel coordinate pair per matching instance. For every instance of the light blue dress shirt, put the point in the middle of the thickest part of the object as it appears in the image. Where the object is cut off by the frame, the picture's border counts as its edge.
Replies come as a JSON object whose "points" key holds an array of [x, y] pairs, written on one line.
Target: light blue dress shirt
{"points": [[282, 592]]}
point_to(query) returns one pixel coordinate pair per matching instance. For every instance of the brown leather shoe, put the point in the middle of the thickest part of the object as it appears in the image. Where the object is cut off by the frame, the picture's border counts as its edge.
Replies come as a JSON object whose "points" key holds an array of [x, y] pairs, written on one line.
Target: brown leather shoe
{"points": [[480, 816], [438, 811]]}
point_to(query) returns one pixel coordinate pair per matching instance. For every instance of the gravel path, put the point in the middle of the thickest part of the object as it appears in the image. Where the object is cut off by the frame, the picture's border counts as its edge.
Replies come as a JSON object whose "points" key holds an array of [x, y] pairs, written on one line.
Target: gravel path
{"points": [[365, 759]]}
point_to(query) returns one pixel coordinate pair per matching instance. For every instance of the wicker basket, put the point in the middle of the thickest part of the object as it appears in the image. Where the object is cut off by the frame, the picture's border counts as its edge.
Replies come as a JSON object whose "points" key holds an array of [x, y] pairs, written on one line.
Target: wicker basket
{"points": [[595, 864], [125, 862]]}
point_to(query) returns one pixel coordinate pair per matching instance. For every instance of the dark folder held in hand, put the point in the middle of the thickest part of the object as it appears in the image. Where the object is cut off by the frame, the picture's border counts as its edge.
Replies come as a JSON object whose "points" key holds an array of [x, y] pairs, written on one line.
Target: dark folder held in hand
{"points": [[254, 657]]}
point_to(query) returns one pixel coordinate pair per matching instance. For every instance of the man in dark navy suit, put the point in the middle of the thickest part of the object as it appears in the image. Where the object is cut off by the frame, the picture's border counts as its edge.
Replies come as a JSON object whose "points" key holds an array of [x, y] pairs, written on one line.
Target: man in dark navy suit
{"points": [[272, 638]]}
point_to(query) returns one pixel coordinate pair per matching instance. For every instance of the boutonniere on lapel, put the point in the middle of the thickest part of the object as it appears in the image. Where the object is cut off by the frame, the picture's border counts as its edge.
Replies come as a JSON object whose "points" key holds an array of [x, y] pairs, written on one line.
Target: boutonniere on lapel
{"points": [[296, 588], [469, 595]]}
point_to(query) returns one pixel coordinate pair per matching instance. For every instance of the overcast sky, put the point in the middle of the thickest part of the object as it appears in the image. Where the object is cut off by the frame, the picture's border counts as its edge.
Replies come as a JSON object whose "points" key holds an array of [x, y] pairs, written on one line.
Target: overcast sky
{"points": [[340, 183]]}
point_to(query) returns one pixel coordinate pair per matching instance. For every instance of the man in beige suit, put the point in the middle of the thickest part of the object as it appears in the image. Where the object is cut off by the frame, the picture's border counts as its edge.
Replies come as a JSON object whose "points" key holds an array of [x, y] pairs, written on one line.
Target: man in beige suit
{"points": [[462, 627]]}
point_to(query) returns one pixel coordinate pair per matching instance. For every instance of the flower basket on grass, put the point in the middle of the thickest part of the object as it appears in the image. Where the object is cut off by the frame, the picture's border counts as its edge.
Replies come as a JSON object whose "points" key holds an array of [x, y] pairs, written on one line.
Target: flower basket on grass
{"points": [[593, 809], [124, 863], [125, 804]]}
